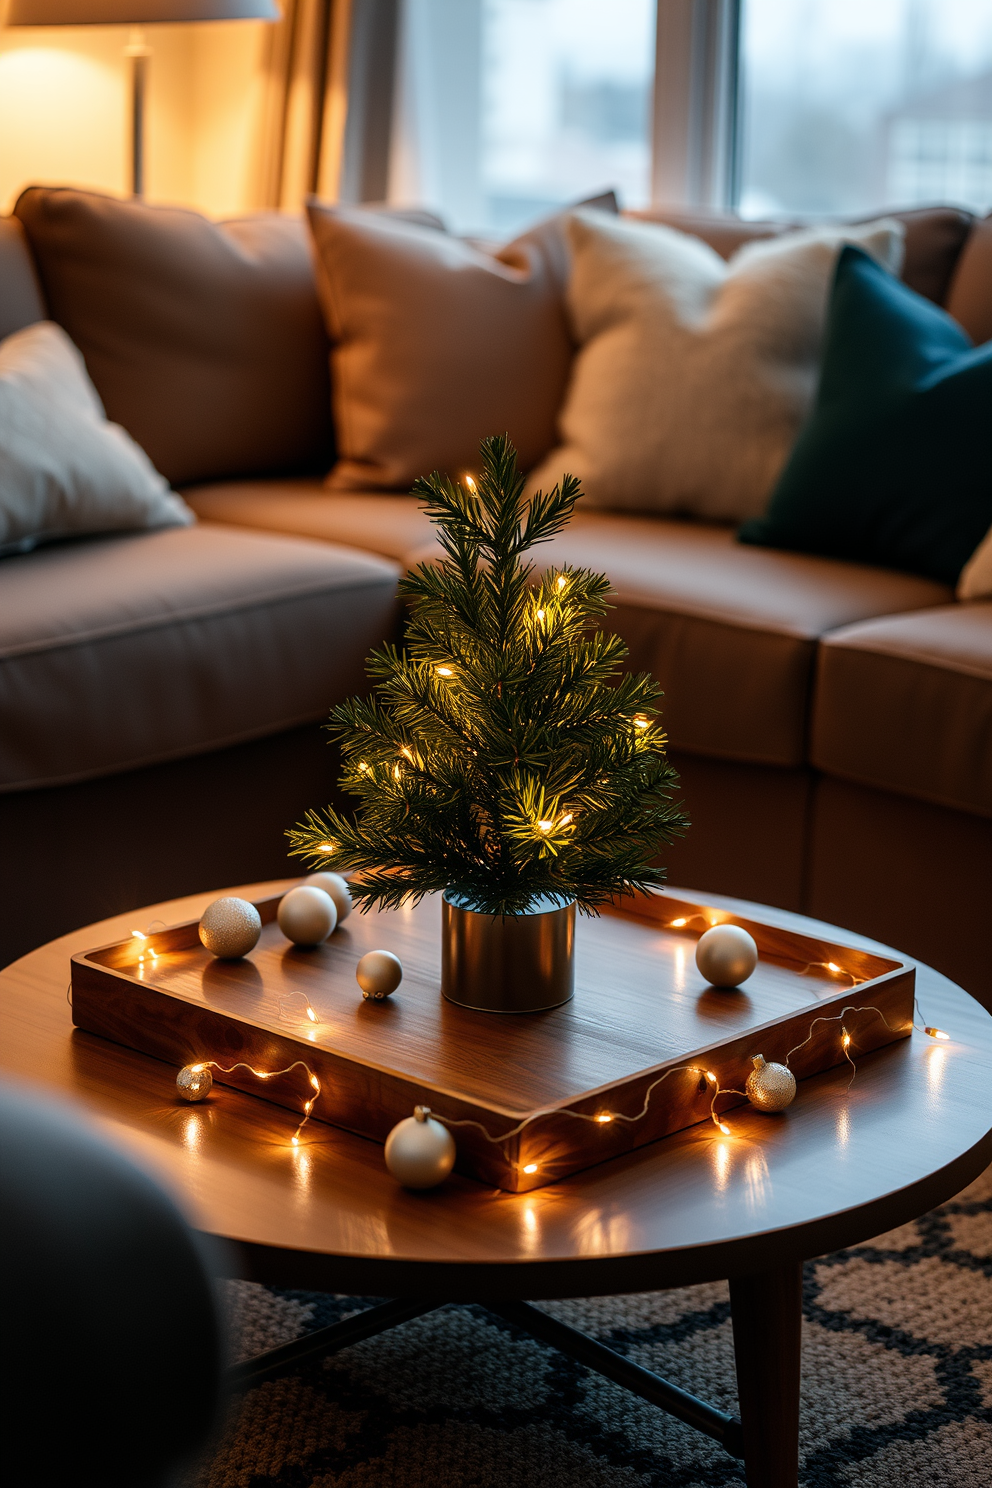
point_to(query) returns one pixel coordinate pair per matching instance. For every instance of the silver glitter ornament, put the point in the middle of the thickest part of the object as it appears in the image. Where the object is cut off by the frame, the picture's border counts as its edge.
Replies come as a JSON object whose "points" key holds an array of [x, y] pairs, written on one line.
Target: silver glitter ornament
{"points": [[194, 1082], [770, 1087], [230, 928]]}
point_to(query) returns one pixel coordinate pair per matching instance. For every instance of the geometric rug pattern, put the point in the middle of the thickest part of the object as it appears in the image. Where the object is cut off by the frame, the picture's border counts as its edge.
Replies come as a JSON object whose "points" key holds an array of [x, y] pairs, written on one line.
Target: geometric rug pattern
{"points": [[897, 1383]]}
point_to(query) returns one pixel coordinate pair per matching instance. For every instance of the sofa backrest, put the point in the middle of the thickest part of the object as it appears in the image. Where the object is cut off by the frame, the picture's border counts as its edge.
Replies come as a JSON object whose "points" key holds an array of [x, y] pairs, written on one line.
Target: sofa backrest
{"points": [[205, 340], [21, 302], [935, 237], [969, 298]]}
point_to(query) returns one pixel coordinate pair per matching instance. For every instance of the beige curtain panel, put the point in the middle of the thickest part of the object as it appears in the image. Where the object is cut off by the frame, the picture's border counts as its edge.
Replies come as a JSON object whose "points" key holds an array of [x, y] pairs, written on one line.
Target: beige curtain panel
{"points": [[304, 102]]}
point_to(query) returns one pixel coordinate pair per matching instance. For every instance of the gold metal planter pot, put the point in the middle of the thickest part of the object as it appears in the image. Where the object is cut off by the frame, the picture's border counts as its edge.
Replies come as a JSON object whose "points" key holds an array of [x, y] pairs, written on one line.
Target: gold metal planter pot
{"points": [[520, 963]]}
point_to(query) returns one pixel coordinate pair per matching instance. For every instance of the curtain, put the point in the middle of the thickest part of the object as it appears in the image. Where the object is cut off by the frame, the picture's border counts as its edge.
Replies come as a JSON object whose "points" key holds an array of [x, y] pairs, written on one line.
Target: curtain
{"points": [[303, 104]]}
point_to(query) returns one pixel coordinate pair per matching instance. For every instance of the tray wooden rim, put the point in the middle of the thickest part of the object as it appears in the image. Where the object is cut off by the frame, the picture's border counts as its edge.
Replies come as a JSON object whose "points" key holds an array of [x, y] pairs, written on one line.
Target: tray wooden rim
{"points": [[183, 935]]}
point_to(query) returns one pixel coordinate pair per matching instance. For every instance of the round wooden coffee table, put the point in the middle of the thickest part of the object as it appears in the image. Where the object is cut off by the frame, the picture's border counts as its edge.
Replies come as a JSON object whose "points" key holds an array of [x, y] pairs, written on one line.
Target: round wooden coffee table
{"points": [[914, 1129]]}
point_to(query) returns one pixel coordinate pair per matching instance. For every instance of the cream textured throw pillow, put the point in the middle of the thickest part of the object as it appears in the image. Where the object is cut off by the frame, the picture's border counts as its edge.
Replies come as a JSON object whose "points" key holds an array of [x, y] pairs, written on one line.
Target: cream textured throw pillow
{"points": [[693, 375], [63, 469]]}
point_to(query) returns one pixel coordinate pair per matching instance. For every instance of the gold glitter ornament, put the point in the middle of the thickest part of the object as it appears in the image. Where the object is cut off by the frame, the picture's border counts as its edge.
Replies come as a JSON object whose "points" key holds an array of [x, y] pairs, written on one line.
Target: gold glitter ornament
{"points": [[194, 1082], [770, 1087]]}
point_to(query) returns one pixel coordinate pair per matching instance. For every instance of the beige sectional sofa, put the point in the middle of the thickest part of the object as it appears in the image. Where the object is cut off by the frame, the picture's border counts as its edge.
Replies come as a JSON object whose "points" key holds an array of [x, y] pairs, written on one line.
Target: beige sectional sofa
{"points": [[161, 693]]}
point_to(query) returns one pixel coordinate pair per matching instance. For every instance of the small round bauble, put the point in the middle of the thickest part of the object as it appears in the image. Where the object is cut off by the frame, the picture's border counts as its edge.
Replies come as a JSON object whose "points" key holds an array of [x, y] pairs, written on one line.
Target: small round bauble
{"points": [[306, 916], [230, 928], [194, 1082], [420, 1152], [379, 973], [337, 887], [770, 1087], [726, 955]]}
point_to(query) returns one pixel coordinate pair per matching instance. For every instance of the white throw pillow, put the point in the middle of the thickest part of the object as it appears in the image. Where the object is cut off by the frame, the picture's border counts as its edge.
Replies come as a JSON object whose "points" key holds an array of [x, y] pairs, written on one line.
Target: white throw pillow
{"points": [[693, 375], [64, 470]]}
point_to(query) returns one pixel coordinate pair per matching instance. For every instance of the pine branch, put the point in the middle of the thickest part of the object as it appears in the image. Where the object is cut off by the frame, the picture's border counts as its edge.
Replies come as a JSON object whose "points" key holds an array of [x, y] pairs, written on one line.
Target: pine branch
{"points": [[503, 753]]}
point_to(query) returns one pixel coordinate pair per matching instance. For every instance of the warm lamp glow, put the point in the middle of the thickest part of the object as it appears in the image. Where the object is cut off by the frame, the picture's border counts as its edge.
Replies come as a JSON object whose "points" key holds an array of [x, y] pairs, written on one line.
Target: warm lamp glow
{"points": [[135, 12], [530, 1168]]}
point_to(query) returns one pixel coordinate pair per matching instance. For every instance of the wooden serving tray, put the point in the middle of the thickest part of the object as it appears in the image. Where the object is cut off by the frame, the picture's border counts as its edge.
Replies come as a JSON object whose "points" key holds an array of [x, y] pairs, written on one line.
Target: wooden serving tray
{"points": [[640, 1008]]}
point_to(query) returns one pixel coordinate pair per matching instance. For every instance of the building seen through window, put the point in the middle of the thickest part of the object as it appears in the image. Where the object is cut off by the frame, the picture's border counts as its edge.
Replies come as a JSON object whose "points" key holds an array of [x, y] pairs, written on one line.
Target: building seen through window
{"points": [[849, 105]]}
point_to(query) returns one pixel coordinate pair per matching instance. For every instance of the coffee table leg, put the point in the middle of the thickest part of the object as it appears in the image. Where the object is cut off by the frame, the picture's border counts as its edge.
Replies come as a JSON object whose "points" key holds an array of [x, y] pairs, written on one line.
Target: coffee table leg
{"points": [[767, 1313]]}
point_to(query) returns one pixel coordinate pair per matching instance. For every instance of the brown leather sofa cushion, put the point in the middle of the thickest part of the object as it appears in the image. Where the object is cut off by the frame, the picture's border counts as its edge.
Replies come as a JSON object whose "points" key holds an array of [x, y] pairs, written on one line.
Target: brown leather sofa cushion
{"points": [[969, 298], [391, 525], [21, 303], [205, 340], [436, 344], [935, 237], [124, 651], [904, 704], [730, 632]]}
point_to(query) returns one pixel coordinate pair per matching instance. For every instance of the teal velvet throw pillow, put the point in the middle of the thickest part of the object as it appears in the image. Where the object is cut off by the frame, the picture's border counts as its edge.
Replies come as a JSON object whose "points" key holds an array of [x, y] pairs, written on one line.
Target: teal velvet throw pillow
{"points": [[894, 464]]}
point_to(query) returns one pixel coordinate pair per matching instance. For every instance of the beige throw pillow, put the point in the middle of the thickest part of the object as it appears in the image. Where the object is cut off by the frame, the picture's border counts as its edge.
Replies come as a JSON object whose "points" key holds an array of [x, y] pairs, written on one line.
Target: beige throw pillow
{"points": [[63, 469], [693, 374], [436, 344]]}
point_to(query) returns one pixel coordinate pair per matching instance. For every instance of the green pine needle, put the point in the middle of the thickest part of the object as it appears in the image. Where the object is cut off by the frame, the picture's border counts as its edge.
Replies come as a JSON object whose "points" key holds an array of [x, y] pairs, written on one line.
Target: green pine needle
{"points": [[503, 753]]}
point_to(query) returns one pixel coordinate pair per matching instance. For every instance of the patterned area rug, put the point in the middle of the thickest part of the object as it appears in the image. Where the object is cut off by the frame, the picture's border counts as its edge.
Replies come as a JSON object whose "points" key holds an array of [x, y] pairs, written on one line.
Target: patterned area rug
{"points": [[897, 1361]]}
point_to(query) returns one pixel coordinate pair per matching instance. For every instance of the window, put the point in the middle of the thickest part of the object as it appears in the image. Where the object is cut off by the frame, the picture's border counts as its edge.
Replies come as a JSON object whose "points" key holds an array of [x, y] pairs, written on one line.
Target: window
{"points": [[807, 108], [850, 105], [509, 108]]}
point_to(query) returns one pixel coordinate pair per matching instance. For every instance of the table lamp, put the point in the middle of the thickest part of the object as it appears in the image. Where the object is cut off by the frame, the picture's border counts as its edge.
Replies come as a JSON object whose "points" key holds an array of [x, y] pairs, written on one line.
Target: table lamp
{"points": [[136, 13]]}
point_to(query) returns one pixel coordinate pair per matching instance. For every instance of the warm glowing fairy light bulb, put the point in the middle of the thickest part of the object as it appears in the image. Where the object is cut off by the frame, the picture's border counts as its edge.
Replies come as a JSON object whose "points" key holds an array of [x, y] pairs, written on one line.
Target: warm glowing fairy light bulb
{"points": [[832, 966], [641, 722], [530, 1168], [846, 1039], [470, 483], [444, 671], [194, 1082], [545, 826], [561, 582], [604, 1117], [937, 1033], [677, 924], [325, 847], [724, 1128], [540, 615]]}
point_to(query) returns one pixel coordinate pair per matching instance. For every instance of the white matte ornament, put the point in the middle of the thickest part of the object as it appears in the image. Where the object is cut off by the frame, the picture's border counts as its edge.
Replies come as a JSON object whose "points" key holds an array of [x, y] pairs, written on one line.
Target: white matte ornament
{"points": [[770, 1087], [420, 1152], [194, 1082], [379, 973], [726, 955], [230, 928], [306, 916], [337, 887]]}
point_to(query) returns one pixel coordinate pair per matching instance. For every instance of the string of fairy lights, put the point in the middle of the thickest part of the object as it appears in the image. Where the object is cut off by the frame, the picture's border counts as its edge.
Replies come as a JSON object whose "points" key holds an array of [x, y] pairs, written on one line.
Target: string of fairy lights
{"points": [[195, 1081]]}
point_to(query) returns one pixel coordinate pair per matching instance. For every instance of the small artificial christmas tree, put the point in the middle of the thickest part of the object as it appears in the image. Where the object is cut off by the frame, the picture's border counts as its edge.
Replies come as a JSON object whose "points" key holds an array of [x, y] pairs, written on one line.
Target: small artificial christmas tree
{"points": [[503, 755]]}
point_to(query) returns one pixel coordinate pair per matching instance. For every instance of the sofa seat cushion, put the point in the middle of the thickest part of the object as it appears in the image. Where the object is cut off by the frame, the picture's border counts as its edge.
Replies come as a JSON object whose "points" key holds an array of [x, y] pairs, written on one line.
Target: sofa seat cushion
{"points": [[123, 651], [905, 704], [730, 632], [393, 526]]}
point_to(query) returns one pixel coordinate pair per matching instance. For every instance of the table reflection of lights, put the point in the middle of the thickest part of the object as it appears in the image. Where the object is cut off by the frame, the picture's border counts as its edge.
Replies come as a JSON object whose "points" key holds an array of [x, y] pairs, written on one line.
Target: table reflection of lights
{"points": [[757, 1181], [194, 1124], [843, 1126], [936, 1063], [721, 1165]]}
